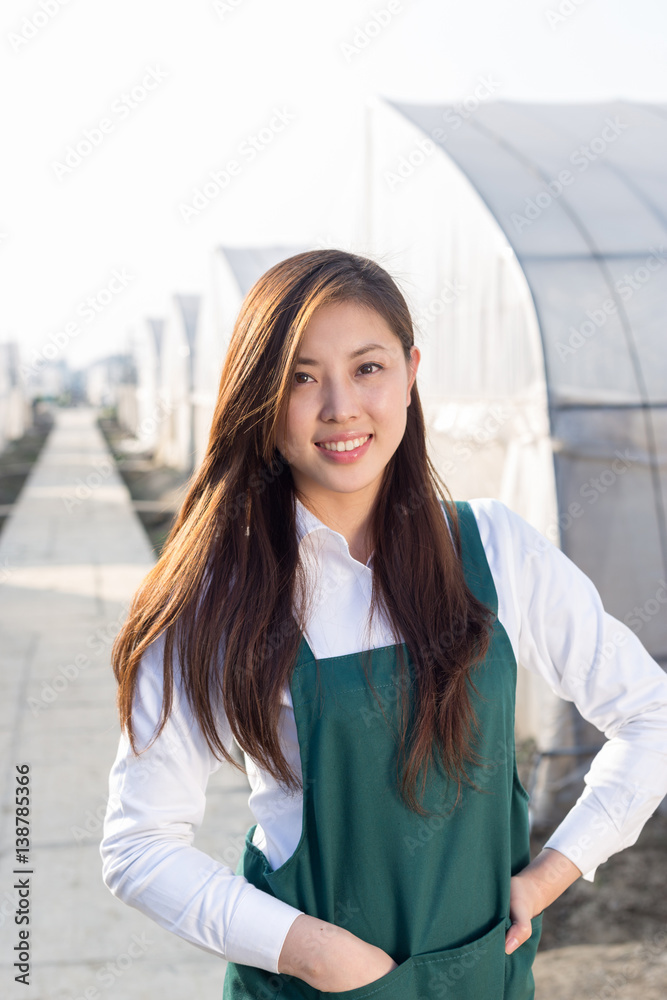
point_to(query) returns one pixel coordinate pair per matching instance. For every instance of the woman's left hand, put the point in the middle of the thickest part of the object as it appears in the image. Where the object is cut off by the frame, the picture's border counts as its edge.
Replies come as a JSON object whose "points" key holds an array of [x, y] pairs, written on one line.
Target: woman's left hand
{"points": [[533, 889]]}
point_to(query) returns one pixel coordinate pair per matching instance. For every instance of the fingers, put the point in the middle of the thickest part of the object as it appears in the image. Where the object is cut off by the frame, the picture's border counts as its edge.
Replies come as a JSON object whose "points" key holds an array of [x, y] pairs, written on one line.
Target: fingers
{"points": [[523, 905], [518, 933]]}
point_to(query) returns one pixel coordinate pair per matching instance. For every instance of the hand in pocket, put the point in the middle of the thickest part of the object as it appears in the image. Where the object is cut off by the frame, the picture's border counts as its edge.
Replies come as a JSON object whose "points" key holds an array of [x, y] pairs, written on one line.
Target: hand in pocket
{"points": [[329, 958]]}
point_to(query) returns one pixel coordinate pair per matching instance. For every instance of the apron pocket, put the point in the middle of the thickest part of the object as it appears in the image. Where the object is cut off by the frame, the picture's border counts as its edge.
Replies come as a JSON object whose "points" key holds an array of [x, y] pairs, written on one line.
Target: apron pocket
{"points": [[474, 970], [519, 981], [397, 983]]}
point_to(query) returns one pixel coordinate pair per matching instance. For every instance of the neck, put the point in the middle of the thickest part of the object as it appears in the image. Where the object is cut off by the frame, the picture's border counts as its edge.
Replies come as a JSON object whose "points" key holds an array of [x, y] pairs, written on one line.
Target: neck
{"points": [[350, 519]]}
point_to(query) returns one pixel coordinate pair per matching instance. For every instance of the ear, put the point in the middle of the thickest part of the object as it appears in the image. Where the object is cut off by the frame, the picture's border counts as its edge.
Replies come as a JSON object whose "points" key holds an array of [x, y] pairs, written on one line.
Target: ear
{"points": [[415, 358]]}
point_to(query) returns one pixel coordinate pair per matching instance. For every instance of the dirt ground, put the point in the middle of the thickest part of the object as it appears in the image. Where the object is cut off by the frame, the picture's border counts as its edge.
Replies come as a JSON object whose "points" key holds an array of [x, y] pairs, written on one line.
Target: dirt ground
{"points": [[608, 939], [605, 940]]}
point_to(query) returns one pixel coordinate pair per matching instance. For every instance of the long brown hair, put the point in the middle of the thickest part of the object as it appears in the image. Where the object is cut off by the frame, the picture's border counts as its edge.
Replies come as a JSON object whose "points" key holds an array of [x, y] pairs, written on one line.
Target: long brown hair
{"points": [[229, 585]]}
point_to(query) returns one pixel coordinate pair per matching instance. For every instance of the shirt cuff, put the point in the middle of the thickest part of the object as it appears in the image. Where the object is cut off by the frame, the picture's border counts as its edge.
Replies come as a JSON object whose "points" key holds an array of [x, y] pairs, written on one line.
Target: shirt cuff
{"points": [[258, 930], [586, 837]]}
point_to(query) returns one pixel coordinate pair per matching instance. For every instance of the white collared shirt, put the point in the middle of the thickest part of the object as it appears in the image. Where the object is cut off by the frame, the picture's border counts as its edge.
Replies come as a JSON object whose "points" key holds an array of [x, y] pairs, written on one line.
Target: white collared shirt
{"points": [[555, 621]]}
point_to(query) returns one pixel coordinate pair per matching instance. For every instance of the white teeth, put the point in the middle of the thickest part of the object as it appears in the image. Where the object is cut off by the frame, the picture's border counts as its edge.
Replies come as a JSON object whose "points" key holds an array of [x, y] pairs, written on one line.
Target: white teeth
{"points": [[345, 445]]}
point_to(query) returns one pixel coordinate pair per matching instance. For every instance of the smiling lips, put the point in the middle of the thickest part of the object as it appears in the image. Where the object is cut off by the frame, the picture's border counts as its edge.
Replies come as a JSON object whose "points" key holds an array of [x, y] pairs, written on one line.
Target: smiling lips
{"points": [[348, 445], [345, 452]]}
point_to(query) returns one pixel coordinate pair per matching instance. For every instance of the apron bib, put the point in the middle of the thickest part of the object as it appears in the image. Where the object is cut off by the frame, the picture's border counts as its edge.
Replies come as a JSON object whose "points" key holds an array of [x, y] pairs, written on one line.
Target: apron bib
{"points": [[432, 891]]}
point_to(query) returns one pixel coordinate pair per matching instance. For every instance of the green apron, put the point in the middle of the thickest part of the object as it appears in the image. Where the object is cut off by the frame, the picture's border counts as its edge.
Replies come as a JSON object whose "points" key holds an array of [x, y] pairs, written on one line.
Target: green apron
{"points": [[433, 892]]}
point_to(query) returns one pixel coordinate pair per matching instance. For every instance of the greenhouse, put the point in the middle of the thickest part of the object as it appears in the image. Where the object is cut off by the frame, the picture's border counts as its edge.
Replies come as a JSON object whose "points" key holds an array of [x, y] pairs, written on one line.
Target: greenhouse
{"points": [[536, 274]]}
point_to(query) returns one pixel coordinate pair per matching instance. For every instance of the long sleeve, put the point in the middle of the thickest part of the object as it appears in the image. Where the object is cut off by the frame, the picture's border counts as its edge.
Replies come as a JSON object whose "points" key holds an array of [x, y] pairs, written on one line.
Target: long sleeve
{"points": [[156, 804], [591, 658]]}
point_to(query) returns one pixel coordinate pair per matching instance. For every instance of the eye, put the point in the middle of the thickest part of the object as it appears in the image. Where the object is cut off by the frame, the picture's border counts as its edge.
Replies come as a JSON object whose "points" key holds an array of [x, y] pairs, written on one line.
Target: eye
{"points": [[367, 364]]}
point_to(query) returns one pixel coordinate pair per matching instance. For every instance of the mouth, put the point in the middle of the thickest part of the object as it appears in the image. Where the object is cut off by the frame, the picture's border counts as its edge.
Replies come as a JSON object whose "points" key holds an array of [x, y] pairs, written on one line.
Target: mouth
{"points": [[338, 452], [340, 447]]}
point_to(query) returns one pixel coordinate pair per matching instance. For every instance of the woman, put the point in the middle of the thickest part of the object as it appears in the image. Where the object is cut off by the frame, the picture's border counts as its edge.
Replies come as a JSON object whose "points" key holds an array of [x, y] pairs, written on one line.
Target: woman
{"points": [[369, 631]]}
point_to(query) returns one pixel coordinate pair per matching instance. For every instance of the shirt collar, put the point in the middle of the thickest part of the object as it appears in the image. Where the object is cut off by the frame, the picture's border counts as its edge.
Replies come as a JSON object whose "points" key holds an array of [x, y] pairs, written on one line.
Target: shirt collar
{"points": [[307, 524]]}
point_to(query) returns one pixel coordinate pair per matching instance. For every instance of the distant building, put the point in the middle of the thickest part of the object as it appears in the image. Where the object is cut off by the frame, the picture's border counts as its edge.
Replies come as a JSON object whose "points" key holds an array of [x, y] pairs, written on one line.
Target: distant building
{"points": [[105, 380], [175, 433], [51, 379], [143, 410]]}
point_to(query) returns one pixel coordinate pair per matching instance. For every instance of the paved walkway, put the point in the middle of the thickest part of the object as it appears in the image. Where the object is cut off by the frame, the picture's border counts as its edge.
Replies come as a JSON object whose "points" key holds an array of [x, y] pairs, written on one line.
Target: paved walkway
{"points": [[71, 555]]}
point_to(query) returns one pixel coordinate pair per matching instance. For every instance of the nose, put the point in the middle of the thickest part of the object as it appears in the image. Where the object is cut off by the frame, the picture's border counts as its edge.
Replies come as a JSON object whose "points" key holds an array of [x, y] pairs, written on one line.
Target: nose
{"points": [[339, 401]]}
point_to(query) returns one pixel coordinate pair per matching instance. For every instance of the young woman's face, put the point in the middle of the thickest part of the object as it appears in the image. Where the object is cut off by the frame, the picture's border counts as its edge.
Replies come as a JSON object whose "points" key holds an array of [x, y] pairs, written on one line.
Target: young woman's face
{"points": [[345, 389]]}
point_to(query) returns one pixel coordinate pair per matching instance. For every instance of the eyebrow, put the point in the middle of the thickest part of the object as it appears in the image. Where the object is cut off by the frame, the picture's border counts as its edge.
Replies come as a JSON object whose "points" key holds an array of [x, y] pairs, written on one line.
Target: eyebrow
{"points": [[355, 354]]}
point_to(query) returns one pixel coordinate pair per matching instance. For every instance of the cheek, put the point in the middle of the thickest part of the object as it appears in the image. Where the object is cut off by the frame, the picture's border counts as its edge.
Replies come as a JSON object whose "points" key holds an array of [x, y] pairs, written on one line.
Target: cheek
{"points": [[390, 405], [393, 422]]}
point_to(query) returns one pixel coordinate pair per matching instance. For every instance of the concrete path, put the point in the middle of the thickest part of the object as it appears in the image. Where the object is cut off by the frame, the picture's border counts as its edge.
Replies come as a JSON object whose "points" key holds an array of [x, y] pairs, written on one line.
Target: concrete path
{"points": [[71, 555]]}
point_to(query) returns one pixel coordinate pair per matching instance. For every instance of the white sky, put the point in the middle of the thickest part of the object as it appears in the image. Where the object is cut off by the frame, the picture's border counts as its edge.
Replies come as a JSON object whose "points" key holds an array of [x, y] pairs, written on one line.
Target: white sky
{"points": [[226, 72]]}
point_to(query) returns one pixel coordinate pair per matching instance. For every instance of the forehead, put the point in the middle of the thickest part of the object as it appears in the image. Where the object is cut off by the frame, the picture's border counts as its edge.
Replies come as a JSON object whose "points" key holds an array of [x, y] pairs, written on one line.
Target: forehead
{"points": [[344, 322]]}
